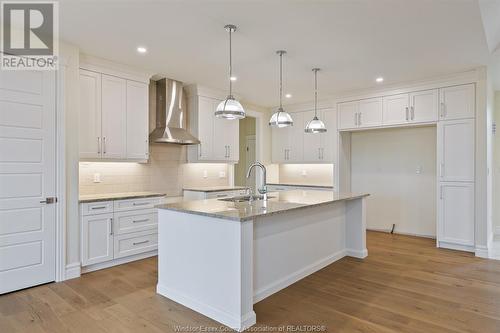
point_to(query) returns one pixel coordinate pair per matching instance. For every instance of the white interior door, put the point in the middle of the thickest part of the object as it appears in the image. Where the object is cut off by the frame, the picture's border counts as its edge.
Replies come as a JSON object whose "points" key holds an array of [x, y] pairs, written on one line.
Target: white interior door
{"points": [[27, 178]]}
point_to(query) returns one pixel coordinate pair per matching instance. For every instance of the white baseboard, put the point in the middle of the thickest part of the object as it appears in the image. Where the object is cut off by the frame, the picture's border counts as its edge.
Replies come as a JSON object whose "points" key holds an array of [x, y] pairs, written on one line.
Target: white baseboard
{"points": [[402, 233], [238, 324], [481, 252], [274, 287], [458, 247], [72, 271], [357, 254], [120, 261]]}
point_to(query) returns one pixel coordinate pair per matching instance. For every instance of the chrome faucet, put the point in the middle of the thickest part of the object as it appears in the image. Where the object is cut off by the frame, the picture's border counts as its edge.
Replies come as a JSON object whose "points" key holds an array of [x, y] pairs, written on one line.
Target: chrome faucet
{"points": [[263, 189]]}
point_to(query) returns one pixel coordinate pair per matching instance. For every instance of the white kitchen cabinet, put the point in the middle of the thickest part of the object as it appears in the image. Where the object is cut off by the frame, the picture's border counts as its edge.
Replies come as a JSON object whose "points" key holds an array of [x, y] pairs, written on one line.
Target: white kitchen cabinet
{"points": [[280, 144], [116, 229], [137, 121], [424, 106], [90, 115], [296, 138], [114, 116], [396, 109], [456, 150], [456, 215], [202, 194], [320, 147], [219, 137], [97, 237], [457, 102], [370, 112], [348, 115]]}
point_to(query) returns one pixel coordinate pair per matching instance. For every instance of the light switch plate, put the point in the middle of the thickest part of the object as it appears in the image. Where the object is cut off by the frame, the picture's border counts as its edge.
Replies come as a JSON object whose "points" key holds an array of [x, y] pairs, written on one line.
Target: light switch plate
{"points": [[205, 174], [304, 173], [97, 177]]}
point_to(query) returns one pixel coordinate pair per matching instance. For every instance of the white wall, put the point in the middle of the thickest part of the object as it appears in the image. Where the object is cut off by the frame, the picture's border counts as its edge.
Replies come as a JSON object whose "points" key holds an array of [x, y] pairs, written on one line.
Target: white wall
{"points": [[496, 167], [385, 163]]}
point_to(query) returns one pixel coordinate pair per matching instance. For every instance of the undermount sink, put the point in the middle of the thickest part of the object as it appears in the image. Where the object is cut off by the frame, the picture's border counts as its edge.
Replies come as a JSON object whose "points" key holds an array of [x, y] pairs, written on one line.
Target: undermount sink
{"points": [[245, 198]]}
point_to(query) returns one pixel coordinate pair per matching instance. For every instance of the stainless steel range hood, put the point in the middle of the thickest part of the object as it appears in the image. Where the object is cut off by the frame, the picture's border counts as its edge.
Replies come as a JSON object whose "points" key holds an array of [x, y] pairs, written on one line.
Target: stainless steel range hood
{"points": [[171, 116]]}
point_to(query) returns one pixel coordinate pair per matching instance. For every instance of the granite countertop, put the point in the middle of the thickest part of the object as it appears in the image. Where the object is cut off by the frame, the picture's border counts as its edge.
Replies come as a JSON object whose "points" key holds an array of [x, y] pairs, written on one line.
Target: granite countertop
{"points": [[278, 202], [214, 188], [118, 196], [300, 185]]}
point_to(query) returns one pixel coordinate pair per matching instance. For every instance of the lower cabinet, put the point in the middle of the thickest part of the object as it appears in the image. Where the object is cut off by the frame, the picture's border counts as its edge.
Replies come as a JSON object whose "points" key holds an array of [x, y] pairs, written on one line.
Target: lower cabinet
{"points": [[123, 228], [202, 195], [456, 215]]}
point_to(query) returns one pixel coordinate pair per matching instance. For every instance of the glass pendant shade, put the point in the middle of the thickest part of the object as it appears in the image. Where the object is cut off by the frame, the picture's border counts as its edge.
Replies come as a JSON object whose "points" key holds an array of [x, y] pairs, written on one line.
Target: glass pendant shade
{"points": [[230, 109], [315, 126], [281, 119]]}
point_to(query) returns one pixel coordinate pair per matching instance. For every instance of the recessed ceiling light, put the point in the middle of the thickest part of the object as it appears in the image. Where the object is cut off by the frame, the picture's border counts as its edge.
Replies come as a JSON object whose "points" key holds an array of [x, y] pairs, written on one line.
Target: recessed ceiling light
{"points": [[288, 95], [379, 79], [233, 78], [142, 49]]}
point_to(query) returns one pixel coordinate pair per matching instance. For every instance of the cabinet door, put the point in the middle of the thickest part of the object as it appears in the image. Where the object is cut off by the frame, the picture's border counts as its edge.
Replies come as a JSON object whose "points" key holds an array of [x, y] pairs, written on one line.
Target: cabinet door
{"points": [[456, 214], [97, 239], [114, 115], [396, 109], [329, 139], [370, 112], [220, 137], [457, 102], [205, 114], [90, 115], [456, 150], [280, 144], [347, 114], [424, 106], [137, 120], [312, 141], [296, 138], [233, 140]]}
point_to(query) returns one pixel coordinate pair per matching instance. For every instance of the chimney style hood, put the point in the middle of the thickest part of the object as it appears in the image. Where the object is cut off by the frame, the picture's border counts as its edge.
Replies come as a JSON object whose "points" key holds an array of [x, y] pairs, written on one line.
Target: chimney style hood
{"points": [[171, 115]]}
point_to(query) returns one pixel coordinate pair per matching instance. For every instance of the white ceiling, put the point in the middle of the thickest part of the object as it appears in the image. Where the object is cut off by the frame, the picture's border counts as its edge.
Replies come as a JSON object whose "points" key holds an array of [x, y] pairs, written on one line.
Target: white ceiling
{"points": [[352, 41]]}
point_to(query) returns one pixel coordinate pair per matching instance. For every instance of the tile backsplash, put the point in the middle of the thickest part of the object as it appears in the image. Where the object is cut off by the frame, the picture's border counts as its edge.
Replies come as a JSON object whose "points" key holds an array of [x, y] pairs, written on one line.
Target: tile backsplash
{"points": [[167, 171]]}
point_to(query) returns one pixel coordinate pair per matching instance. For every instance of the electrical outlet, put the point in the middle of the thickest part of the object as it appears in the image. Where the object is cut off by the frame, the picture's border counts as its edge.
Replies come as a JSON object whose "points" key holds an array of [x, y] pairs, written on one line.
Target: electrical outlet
{"points": [[97, 177], [205, 174], [222, 174], [419, 170]]}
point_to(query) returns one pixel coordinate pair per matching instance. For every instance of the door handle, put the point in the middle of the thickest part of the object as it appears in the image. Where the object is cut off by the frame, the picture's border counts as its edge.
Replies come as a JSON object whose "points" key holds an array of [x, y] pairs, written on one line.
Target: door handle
{"points": [[140, 221], [443, 110], [359, 119], [200, 149], [319, 153], [407, 113], [412, 112], [139, 243], [111, 226], [356, 119], [140, 203], [104, 145], [99, 145], [49, 200]]}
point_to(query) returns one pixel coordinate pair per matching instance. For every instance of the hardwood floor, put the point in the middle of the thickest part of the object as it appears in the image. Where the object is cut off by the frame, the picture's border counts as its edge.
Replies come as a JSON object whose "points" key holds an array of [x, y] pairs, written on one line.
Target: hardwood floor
{"points": [[405, 285]]}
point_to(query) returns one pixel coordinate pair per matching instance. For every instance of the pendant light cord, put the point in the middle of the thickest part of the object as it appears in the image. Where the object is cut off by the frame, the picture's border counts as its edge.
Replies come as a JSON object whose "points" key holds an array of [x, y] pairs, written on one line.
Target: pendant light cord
{"points": [[281, 81], [230, 63], [315, 92]]}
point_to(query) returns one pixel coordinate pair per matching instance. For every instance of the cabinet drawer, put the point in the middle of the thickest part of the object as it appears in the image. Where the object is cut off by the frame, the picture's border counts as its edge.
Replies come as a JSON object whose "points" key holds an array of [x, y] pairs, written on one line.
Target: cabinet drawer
{"points": [[225, 194], [101, 207], [130, 244], [133, 204], [133, 221]]}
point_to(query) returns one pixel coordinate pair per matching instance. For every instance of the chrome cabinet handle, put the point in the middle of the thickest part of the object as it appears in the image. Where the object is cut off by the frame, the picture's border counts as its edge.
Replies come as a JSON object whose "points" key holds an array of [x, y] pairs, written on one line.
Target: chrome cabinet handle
{"points": [[441, 170], [140, 203], [443, 110], [104, 145], [200, 149], [356, 119], [140, 221], [111, 226], [98, 145], [441, 192], [412, 113], [319, 153], [98, 207], [359, 118], [139, 243], [407, 113]]}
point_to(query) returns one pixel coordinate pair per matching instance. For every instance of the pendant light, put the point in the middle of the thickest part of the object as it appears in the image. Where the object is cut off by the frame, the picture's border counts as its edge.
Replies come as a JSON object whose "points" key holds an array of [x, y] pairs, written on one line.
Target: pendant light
{"points": [[281, 118], [230, 108], [315, 125]]}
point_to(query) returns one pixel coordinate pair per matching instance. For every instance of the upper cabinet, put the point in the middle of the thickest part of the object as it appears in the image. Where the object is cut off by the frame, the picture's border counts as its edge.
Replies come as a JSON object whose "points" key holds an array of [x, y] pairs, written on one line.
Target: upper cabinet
{"points": [[293, 145], [219, 137], [457, 102], [423, 106], [113, 117], [360, 114]]}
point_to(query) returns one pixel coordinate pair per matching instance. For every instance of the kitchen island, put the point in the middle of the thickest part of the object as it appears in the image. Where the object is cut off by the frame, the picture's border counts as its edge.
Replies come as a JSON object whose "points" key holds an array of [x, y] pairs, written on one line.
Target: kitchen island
{"points": [[219, 257]]}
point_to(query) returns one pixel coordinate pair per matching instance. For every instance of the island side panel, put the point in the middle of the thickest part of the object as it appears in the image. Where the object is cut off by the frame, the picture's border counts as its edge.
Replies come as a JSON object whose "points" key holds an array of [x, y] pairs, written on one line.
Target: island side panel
{"points": [[289, 246], [205, 264], [356, 228]]}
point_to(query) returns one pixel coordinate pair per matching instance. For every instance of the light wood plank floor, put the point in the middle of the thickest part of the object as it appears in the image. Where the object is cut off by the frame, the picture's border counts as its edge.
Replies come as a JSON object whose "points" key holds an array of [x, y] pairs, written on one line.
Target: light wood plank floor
{"points": [[405, 285]]}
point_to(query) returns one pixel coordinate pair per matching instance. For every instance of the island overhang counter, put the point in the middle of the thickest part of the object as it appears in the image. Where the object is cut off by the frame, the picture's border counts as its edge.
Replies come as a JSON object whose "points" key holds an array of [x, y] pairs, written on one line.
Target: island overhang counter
{"points": [[220, 257]]}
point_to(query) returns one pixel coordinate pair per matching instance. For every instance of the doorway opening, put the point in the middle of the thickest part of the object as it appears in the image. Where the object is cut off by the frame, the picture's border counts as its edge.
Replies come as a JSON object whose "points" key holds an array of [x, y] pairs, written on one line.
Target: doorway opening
{"points": [[247, 143]]}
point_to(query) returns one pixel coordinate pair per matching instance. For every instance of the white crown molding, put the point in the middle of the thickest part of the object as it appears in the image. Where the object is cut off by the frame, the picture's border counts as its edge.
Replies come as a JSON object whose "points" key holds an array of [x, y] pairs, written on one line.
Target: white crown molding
{"points": [[109, 67]]}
